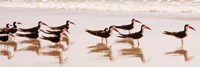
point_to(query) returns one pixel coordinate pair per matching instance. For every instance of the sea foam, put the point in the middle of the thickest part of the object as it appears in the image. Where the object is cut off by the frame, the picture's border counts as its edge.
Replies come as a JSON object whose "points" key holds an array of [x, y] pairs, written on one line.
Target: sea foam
{"points": [[112, 5]]}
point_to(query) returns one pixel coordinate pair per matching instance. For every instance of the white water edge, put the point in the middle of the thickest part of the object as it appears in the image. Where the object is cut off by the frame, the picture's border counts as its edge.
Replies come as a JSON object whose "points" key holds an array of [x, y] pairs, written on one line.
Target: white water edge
{"points": [[182, 6]]}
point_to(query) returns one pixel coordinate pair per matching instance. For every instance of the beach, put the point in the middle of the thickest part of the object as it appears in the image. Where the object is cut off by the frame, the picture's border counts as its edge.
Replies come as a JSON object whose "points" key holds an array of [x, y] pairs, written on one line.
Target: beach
{"points": [[154, 44]]}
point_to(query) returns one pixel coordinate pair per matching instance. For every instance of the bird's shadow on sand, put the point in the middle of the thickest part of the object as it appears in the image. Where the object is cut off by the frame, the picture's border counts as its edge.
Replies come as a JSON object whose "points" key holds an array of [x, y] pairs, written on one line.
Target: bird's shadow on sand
{"points": [[126, 40], [102, 48], [6, 53], [180, 52], [135, 52]]}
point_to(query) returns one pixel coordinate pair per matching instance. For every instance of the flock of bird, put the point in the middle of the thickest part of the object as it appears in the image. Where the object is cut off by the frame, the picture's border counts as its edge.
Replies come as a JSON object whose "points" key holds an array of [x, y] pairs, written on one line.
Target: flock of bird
{"points": [[33, 33], [7, 33], [136, 35]]}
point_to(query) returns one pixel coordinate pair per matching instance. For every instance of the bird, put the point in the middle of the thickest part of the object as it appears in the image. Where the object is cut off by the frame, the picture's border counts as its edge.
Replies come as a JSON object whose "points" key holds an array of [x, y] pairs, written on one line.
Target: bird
{"points": [[5, 38], [52, 32], [180, 34], [5, 30], [14, 28], [136, 35], [102, 33], [62, 26], [31, 35], [33, 29], [129, 26], [55, 39]]}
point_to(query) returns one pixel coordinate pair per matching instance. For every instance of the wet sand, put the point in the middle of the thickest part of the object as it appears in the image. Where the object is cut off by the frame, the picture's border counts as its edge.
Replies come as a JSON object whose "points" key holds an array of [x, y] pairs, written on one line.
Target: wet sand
{"points": [[152, 51]]}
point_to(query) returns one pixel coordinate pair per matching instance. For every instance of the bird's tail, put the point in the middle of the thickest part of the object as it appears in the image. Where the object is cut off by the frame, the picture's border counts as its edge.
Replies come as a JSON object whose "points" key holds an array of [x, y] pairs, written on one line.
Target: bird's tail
{"points": [[167, 33], [45, 31], [117, 26], [20, 35], [53, 28], [22, 30], [122, 36], [90, 32], [44, 38]]}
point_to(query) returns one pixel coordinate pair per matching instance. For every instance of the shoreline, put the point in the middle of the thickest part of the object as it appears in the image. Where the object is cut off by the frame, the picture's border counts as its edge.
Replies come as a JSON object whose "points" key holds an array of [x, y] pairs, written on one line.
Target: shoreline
{"points": [[169, 15]]}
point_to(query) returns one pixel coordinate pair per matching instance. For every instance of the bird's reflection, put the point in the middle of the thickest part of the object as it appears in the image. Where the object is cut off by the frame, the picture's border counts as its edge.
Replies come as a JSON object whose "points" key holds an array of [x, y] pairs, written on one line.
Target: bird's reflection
{"points": [[33, 48], [180, 52], [65, 39], [136, 52], [126, 40], [11, 43], [102, 48], [57, 46], [6, 53], [55, 53], [32, 41]]}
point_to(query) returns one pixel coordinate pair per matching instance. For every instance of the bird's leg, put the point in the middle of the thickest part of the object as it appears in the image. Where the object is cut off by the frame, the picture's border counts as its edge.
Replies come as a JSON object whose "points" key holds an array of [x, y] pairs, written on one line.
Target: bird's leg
{"points": [[181, 43], [133, 44], [6, 47], [138, 43], [106, 41], [129, 31], [102, 40], [33, 41], [56, 46]]}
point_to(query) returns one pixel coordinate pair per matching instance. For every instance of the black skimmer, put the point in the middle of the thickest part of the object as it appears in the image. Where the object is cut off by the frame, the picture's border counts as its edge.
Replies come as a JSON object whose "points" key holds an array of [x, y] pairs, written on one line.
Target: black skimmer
{"points": [[66, 26], [102, 33], [34, 29], [136, 35], [129, 26], [180, 34], [14, 28]]}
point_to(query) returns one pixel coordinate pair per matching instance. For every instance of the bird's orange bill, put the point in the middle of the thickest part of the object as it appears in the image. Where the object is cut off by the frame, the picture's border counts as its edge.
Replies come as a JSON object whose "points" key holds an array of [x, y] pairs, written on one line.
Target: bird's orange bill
{"points": [[65, 30], [64, 33], [19, 23], [44, 24], [41, 30], [137, 21], [115, 29], [73, 23], [147, 27], [10, 25], [191, 28], [11, 34]]}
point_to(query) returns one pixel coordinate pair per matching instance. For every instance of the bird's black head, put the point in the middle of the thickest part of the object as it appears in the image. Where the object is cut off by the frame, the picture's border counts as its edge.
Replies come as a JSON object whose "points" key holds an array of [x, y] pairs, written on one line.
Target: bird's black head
{"points": [[39, 22], [68, 21], [113, 28], [15, 22], [144, 26], [42, 23], [105, 29], [134, 20], [7, 25], [188, 26]]}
